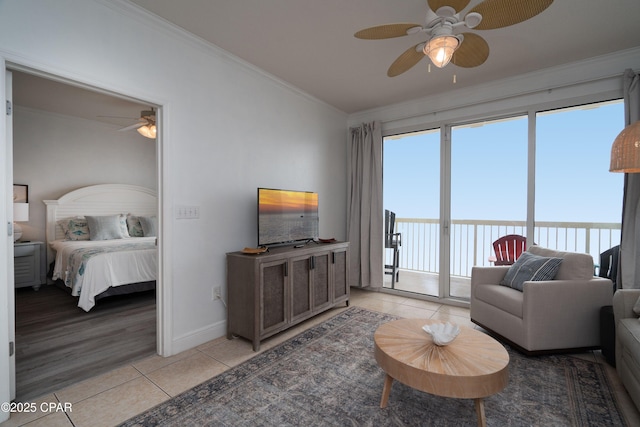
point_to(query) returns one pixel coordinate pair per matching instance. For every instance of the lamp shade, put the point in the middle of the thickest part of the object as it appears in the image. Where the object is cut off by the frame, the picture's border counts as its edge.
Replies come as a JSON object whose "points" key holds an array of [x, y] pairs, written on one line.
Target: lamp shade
{"points": [[148, 131], [440, 49], [21, 211], [625, 151]]}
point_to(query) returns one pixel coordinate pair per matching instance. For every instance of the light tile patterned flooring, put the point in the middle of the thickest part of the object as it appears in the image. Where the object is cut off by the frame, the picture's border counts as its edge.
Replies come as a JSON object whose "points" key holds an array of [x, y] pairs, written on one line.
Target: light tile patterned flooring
{"points": [[424, 283], [114, 397]]}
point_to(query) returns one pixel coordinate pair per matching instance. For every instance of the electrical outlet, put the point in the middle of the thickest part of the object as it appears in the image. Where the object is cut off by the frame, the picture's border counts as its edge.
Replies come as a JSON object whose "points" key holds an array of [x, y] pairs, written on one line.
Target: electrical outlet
{"points": [[216, 293]]}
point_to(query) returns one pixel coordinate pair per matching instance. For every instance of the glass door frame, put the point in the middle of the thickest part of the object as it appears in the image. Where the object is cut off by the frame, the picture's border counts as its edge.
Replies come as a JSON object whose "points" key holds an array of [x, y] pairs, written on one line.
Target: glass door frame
{"points": [[444, 289], [445, 130]]}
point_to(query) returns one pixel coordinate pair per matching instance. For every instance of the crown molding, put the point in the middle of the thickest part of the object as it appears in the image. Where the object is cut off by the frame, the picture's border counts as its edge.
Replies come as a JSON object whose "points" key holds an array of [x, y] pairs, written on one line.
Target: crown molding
{"points": [[546, 80]]}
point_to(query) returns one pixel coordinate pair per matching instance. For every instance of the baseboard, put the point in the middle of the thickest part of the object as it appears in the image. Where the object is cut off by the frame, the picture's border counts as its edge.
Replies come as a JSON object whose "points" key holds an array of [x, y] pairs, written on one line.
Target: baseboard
{"points": [[199, 337]]}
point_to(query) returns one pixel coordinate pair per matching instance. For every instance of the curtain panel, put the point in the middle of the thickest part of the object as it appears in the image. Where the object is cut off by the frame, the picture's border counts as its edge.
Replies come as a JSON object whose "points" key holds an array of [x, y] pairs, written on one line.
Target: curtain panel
{"points": [[629, 271], [364, 205]]}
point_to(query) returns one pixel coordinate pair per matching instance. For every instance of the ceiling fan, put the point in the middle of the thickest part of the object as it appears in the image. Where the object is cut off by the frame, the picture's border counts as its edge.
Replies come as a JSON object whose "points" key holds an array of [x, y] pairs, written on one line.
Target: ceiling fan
{"points": [[446, 28], [146, 125]]}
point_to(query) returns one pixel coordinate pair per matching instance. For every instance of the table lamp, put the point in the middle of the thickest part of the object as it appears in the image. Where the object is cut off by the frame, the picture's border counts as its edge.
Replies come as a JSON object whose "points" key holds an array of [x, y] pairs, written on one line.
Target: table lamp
{"points": [[20, 213]]}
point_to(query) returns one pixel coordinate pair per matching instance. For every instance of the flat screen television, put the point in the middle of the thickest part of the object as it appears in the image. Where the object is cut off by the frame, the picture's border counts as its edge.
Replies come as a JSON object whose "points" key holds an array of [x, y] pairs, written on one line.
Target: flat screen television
{"points": [[286, 216]]}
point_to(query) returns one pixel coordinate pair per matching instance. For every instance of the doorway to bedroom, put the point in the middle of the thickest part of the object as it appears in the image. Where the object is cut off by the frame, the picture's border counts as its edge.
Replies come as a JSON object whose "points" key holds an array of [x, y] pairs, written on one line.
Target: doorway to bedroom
{"points": [[66, 137]]}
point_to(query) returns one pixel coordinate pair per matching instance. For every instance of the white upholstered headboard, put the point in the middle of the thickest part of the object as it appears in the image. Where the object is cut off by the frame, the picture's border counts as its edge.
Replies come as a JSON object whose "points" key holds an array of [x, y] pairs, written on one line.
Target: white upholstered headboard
{"points": [[102, 199]]}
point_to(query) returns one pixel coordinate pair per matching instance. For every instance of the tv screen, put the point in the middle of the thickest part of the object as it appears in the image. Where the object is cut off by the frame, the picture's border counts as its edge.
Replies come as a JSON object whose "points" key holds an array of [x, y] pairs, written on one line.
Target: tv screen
{"points": [[286, 216]]}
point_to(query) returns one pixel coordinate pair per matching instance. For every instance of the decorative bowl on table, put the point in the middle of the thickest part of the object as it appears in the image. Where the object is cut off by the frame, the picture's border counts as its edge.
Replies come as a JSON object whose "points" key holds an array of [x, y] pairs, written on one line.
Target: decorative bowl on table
{"points": [[442, 333]]}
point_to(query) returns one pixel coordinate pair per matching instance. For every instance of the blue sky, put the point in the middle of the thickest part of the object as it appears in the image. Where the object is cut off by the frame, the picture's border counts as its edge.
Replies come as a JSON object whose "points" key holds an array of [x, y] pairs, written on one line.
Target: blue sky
{"points": [[489, 169]]}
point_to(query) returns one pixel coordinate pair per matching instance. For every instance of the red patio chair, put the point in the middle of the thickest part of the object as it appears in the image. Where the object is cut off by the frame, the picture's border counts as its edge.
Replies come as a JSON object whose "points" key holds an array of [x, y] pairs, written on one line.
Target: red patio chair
{"points": [[508, 249]]}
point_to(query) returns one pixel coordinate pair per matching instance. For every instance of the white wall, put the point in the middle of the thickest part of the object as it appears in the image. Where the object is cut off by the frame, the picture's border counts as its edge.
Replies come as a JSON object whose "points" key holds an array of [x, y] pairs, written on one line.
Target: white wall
{"points": [[227, 128], [54, 154]]}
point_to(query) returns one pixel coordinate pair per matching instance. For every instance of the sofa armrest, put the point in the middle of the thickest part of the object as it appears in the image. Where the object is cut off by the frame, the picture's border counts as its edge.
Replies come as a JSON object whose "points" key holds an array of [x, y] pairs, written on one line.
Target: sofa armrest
{"points": [[566, 293], [623, 302], [548, 305], [564, 313], [488, 275]]}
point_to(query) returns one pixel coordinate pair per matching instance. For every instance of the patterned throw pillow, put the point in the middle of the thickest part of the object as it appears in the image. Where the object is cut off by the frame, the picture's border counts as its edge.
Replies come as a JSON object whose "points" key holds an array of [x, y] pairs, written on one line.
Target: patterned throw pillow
{"points": [[124, 230], [530, 267], [134, 226], [75, 228], [149, 225]]}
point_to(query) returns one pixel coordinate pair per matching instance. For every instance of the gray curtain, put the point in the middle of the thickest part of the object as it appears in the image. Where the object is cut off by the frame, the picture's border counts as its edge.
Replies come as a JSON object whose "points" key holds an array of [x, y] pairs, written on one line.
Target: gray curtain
{"points": [[629, 276], [364, 205]]}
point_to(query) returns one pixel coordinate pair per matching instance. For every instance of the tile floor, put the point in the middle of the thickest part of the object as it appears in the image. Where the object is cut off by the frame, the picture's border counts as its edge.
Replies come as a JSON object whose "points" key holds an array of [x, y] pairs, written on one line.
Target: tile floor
{"points": [[114, 397]]}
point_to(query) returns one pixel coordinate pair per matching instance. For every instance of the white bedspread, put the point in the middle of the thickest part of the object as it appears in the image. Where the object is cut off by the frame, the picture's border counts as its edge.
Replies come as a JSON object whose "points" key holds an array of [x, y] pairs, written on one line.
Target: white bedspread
{"points": [[91, 267]]}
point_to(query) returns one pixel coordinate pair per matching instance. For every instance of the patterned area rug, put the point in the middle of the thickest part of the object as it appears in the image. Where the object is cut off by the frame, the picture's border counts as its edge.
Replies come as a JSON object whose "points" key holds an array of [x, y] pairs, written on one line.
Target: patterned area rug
{"points": [[327, 375]]}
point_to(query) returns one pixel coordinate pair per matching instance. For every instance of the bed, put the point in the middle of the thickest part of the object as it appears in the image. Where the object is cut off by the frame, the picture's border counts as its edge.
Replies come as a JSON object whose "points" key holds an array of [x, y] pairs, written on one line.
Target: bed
{"points": [[102, 241]]}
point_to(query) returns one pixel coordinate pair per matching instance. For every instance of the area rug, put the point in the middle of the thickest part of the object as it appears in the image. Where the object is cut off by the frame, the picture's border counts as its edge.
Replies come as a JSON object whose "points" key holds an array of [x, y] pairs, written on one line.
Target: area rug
{"points": [[327, 375]]}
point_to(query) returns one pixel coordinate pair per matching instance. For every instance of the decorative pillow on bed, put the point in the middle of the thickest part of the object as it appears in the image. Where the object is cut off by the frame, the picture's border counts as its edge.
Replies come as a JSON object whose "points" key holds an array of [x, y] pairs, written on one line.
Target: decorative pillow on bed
{"points": [[75, 228], [149, 225], [134, 226], [107, 227], [530, 267]]}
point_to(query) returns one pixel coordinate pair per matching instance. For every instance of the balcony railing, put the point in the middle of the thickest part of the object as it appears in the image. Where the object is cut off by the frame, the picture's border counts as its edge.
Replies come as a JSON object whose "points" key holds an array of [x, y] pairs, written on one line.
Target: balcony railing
{"points": [[472, 241]]}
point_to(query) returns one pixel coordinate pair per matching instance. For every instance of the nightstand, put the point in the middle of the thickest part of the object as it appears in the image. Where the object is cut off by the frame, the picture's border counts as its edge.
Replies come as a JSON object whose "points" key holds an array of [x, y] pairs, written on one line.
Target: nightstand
{"points": [[29, 264]]}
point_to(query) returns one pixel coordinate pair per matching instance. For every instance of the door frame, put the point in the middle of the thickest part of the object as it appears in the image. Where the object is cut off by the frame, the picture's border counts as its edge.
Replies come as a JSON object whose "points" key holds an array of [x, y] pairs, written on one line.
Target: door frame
{"points": [[163, 284], [7, 376]]}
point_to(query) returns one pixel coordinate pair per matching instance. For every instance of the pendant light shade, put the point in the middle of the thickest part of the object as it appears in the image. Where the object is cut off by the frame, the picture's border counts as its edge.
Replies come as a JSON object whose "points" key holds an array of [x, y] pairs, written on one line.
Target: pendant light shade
{"points": [[148, 131], [625, 151], [440, 49]]}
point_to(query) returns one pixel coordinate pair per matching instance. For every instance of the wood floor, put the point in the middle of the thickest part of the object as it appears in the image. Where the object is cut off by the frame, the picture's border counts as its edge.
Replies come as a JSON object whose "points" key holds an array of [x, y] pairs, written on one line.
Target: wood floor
{"points": [[58, 344]]}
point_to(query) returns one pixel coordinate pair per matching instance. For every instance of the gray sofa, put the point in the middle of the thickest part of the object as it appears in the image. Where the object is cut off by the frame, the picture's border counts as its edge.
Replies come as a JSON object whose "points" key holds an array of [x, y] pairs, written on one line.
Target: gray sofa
{"points": [[628, 341], [549, 315]]}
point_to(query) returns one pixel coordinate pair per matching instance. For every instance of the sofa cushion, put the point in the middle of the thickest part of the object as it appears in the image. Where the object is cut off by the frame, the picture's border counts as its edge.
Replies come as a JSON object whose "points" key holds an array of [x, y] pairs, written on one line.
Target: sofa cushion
{"points": [[506, 299], [530, 267], [628, 332], [636, 307], [574, 265]]}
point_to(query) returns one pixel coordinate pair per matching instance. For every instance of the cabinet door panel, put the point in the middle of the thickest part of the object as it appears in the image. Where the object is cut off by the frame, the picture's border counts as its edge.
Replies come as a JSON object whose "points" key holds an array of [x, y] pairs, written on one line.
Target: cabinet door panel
{"points": [[273, 296], [340, 284], [25, 271], [300, 287], [321, 283]]}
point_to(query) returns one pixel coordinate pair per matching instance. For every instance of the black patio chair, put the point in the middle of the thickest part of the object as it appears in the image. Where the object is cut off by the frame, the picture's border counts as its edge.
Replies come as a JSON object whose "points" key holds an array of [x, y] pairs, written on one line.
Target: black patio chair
{"points": [[392, 241]]}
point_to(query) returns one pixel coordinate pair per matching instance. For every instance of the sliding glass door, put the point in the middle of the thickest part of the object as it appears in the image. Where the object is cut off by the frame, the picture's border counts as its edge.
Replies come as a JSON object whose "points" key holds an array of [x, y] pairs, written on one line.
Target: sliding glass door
{"points": [[458, 188], [411, 189], [488, 193], [578, 201]]}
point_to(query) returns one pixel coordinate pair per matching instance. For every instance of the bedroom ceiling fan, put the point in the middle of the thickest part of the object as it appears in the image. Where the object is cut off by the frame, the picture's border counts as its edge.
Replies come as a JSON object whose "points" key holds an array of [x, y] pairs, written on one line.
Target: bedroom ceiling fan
{"points": [[146, 125], [447, 31]]}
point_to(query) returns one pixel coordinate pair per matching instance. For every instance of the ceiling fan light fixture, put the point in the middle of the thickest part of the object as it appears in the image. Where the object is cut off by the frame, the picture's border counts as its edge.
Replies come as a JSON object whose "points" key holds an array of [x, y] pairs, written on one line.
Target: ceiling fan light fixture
{"points": [[148, 131], [440, 49]]}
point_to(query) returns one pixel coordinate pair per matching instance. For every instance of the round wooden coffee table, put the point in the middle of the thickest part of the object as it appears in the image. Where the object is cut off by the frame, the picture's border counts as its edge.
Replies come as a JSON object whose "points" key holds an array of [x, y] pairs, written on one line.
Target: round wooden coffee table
{"points": [[473, 366]]}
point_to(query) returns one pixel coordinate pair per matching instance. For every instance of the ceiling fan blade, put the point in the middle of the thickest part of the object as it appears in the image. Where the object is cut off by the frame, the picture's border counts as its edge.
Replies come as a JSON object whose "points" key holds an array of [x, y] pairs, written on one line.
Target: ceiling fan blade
{"points": [[408, 59], [134, 126], [117, 117], [502, 13], [473, 51], [458, 5], [386, 31]]}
